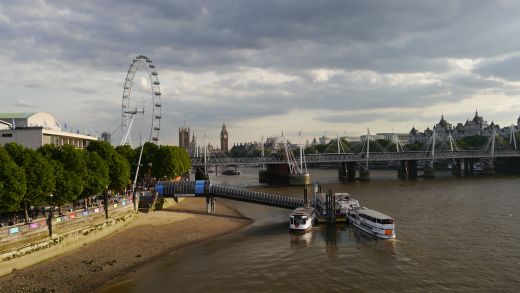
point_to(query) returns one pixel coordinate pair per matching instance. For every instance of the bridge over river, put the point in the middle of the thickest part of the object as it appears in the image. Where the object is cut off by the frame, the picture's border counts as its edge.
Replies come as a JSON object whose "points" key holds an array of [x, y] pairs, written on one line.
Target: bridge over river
{"points": [[284, 169], [357, 157]]}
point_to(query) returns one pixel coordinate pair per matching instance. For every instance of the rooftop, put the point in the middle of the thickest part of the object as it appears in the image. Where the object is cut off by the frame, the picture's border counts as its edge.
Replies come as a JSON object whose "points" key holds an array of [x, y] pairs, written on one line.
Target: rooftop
{"points": [[16, 115], [374, 214]]}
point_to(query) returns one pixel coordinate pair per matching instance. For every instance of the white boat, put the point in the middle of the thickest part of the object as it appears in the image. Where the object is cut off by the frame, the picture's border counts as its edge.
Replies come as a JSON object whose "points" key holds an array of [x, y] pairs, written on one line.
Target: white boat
{"points": [[372, 222], [344, 204], [302, 219]]}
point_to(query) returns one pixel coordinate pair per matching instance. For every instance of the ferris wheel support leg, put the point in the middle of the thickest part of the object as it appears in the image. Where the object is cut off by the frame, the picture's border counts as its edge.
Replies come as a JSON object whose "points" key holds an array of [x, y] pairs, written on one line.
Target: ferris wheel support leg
{"points": [[123, 141]]}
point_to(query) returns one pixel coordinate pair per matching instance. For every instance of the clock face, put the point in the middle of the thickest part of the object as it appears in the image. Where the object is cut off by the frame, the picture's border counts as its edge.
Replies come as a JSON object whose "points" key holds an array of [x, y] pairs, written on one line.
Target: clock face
{"points": [[225, 136]]}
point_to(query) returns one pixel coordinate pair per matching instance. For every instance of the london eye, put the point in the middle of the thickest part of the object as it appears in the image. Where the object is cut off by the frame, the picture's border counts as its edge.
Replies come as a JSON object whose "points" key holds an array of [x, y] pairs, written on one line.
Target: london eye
{"points": [[141, 103]]}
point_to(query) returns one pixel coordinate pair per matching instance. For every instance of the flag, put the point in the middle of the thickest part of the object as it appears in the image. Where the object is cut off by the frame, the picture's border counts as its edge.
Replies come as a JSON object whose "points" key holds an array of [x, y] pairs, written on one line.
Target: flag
{"points": [[14, 124], [65, 126]]}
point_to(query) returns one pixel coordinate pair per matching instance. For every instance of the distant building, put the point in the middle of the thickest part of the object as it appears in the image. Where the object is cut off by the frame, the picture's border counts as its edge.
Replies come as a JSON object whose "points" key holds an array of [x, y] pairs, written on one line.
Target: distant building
{"points": [[106, 136], [224, 139], [324, 140], [476, 126], [34, 130], [184, 137]]}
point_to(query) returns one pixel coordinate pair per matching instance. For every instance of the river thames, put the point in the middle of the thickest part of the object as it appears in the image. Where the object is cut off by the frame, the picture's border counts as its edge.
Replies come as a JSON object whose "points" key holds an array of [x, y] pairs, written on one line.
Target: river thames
{"points": [[453, 233]]}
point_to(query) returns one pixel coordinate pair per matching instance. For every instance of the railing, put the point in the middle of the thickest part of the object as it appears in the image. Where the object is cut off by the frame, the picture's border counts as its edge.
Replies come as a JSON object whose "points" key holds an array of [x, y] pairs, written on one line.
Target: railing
{"points": [[358, 157], [263, 198], [67, 221]]}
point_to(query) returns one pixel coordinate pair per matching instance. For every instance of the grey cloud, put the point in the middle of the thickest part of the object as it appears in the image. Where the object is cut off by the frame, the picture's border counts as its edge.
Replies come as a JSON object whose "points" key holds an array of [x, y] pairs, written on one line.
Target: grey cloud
{"points": [[507, 68], [24, 104]]}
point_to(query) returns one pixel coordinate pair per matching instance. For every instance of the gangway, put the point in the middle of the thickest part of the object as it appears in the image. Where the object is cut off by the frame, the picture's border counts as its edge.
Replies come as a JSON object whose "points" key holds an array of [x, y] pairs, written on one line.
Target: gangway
{"points": [[203, 188]]}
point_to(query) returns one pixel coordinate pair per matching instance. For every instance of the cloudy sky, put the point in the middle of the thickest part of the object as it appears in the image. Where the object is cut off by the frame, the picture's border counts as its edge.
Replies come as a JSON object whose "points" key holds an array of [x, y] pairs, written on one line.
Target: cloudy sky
{"points": [[263, 67]]}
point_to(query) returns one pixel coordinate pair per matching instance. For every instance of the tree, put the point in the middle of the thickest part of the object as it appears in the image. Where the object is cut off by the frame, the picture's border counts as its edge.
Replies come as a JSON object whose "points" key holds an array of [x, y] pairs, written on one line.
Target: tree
{"points": [[171, 161], [119, 172], [12, 183], [38, 173], [131, 157], [69, 170], [473, 142], [119, 168], [97, 174]]}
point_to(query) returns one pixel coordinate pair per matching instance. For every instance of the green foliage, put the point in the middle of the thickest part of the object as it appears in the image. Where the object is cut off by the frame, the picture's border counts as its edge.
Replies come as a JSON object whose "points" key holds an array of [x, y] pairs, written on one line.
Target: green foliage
{"points": [[119, 172], [97, 175], [416, 146], [119, 167], [40, 178], [472, 142], [102, 148], [12, 183], [149, 151], [243, 151], [170, 161], [69, 172]]}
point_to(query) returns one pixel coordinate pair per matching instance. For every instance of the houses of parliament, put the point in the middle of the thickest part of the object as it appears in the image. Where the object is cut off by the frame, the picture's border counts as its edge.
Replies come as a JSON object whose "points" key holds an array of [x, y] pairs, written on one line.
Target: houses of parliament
{"points": [[188, 141]]}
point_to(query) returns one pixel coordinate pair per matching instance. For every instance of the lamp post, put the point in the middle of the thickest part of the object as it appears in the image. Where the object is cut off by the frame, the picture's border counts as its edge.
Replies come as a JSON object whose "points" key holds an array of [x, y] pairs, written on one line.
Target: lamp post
{"points": [[105, 202], [49, 220]]}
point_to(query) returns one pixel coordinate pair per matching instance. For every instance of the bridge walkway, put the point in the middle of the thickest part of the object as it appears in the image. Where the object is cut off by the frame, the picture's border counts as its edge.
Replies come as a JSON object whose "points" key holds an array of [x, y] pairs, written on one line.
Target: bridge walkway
{"points": [[203, 188]]}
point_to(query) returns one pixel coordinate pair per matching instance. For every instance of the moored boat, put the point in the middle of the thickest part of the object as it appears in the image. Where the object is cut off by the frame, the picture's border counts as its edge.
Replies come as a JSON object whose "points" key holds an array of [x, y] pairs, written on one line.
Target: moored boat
{"points": [[231, 172], [344, 204], [302, 219], [372, 222]]}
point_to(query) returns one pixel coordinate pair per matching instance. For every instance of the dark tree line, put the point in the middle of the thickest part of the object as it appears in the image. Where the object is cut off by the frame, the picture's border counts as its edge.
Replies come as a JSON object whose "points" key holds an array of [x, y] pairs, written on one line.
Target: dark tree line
{"points": [[59, 175]]}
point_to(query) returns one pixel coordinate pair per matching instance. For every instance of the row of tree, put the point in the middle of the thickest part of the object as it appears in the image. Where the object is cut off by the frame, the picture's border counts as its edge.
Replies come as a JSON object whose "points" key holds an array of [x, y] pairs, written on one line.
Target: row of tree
{"points": [[58, 175]]}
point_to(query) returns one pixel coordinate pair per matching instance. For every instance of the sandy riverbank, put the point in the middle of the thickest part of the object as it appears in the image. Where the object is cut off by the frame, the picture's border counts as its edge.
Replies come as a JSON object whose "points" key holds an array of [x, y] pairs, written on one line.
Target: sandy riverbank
{"points": [[147, 237]]}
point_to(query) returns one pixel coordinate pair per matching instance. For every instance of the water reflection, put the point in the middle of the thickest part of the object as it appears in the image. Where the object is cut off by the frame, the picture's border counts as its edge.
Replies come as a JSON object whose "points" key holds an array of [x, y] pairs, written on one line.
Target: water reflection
{"points": [[301, 239]]}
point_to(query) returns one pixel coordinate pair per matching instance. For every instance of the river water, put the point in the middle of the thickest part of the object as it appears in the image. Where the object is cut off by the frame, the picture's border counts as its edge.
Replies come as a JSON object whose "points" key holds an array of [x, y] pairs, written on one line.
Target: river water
{"points": [[459, 234]]}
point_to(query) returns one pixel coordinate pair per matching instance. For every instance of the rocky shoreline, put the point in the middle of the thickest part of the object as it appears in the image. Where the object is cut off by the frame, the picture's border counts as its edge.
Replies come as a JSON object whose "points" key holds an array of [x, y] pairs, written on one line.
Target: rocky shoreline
{"points": [[148, 237]]}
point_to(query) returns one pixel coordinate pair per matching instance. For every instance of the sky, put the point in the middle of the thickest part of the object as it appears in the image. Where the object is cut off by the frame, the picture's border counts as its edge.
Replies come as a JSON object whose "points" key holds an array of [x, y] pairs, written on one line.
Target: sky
{"points": [[265, 67]]}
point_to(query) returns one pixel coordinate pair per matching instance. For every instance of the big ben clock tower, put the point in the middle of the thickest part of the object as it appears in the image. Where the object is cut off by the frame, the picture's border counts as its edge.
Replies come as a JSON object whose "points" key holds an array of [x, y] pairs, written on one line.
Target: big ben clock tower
{"points": [[224, 138]]}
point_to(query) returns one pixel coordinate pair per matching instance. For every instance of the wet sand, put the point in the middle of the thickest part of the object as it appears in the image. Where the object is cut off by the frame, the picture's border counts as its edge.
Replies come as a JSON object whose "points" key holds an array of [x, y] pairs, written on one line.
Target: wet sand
{"points": [[146, 238]]}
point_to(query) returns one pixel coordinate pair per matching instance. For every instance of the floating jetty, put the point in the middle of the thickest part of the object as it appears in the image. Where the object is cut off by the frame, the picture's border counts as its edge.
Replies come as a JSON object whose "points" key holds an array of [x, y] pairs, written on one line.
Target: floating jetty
{"points": [[330, 208]]}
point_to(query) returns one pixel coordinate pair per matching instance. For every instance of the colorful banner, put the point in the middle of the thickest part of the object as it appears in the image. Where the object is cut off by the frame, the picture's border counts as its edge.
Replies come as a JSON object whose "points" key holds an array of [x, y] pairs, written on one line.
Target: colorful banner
{"points": [[58, 220], [115, 205], [33, 225], [14, 230], [72, 215], [96, 210], [85, 213], [123, 202]]}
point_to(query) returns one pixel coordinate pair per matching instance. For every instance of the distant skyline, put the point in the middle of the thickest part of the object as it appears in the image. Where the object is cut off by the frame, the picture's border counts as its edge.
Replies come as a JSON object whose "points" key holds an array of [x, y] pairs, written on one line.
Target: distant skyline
{"points": [[263, 67]]}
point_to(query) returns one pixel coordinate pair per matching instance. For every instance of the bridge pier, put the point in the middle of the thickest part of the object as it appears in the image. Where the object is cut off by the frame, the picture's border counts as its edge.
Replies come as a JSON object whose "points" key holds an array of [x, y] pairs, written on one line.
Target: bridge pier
{"points": [[412, 169], [351, 171], [364, 174], [299, 179], [456, 167], [402, 171], [469, 168], [275, 174], [429, 172], [210, 204], [342, 171]]}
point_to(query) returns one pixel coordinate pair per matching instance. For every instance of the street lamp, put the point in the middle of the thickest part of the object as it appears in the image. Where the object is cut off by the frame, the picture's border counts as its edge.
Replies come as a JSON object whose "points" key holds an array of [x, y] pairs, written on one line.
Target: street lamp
{"points": [[49, 221]]}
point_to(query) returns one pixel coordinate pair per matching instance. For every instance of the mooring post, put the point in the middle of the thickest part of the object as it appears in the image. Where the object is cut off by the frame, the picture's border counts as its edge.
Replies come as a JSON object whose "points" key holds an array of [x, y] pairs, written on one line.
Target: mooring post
{"points": [[333, 218], [208, 205]]}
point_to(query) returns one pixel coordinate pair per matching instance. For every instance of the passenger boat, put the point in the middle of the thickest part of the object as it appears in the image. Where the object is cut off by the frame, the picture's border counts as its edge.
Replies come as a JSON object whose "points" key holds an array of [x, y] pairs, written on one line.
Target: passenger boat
{"points": [[231, 172], [302, 219], [372, 222], [344, 204]]}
